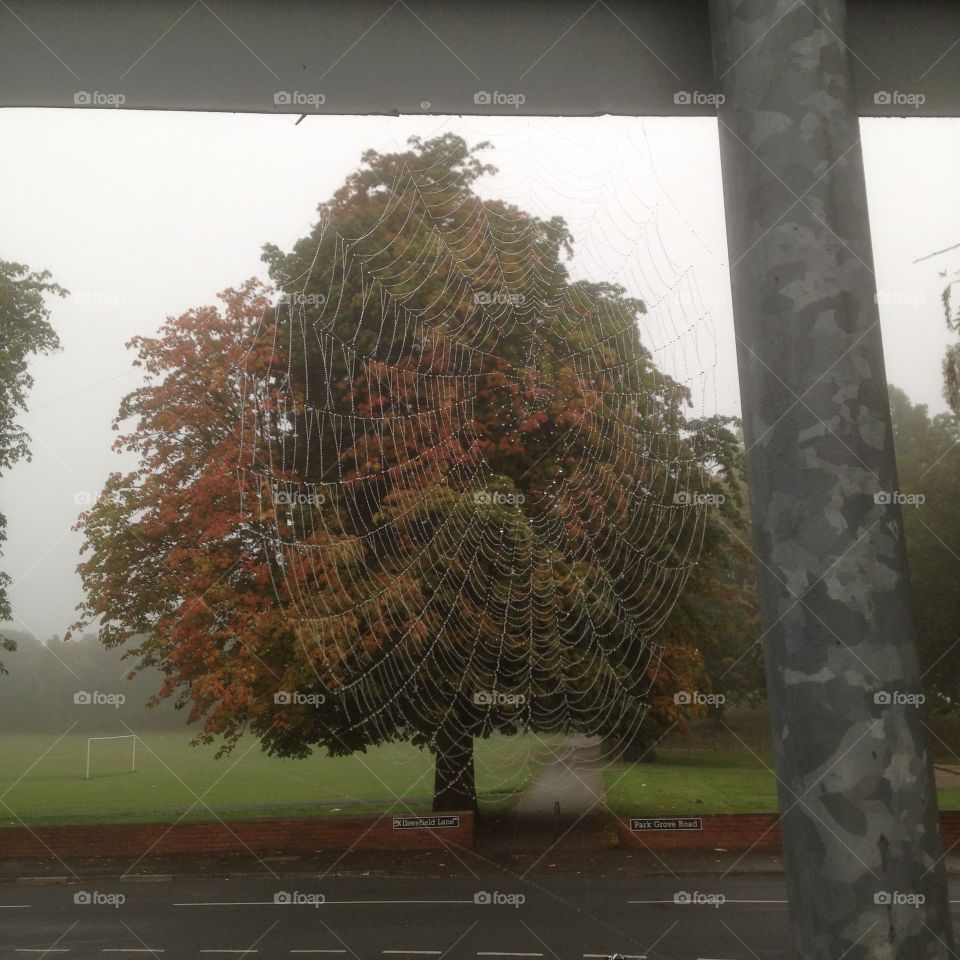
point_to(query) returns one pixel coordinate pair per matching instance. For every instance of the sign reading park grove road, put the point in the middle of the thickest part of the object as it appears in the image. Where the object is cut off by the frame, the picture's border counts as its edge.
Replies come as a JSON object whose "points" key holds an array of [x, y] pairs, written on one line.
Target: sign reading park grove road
{"points": [[424, 823], [666, 823]]}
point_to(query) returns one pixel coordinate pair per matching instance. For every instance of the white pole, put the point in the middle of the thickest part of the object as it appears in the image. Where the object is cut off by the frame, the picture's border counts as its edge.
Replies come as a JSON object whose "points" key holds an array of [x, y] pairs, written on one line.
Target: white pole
{"points": [[125, 736]]}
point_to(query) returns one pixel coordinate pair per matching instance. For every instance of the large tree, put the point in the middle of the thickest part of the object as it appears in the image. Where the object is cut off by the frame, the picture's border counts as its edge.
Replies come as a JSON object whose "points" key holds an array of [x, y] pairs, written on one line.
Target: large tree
{"points": [[441, 490], [25, 331]]}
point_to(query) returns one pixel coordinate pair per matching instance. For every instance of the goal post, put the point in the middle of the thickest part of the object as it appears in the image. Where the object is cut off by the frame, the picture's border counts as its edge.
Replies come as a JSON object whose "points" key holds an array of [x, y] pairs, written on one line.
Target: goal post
{"points": [[132, 737]]}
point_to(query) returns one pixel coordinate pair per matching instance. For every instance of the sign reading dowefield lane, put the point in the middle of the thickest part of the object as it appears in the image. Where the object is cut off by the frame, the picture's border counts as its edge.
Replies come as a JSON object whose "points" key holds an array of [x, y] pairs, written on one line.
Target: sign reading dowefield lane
{"points": [[666, 823], [425, 823]]}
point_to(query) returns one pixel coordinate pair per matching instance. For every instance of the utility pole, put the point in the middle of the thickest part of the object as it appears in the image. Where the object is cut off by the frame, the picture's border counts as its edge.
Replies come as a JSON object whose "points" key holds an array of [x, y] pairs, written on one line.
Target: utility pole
{"points": [[862, 849]]}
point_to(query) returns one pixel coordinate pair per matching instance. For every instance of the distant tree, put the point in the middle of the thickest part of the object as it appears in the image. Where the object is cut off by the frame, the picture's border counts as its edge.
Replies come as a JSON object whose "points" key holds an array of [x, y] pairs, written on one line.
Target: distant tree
{"points": [[928, 463], [951, 314], [25, 331], [51, 673], [726, 607], [951, 362]]}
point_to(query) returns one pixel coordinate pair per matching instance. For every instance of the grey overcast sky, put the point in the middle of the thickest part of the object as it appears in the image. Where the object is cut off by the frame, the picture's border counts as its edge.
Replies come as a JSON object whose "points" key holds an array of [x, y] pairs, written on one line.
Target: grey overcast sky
{"points": [[142, 215]]}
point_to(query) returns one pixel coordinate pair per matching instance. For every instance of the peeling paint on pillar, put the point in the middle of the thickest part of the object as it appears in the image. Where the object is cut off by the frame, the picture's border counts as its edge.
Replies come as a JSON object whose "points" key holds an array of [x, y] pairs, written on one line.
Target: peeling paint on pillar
{"points": [[856, 782]]}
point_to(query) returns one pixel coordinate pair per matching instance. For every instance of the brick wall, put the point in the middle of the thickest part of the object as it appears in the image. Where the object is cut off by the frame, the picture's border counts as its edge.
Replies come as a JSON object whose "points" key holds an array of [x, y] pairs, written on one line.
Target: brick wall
{"points": [[239, 836], [743, 831], [735, 831], [950, 829], [732, 831]]}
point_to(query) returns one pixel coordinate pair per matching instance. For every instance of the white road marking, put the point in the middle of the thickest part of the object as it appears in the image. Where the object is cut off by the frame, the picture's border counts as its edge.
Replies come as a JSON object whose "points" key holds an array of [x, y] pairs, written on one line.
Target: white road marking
{"points": [[14, 906], [326, 903], [417, 953], [42, 950], [133, 950], [317, 951], [497, 953], [688, 903]]}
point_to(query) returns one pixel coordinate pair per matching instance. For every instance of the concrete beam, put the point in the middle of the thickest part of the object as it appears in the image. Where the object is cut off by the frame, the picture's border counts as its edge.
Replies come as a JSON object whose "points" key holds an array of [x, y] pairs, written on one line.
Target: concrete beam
{"points": [[861, 843], [563, 57]]}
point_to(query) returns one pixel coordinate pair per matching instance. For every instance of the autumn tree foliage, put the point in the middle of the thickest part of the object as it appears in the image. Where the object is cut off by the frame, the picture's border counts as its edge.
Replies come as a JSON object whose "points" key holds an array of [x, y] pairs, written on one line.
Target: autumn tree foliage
{"points": [[176, 563], [440, 490]]}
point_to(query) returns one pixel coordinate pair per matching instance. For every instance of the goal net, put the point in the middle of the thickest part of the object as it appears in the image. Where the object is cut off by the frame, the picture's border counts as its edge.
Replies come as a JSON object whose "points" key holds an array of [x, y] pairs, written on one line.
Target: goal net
{"points": [[112, 754]]}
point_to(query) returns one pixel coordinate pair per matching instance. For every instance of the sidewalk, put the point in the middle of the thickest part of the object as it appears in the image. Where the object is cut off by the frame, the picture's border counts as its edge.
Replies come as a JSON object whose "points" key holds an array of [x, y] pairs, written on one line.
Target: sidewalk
{"points": [[947, 775], [562, 811], [556, 861], [571, 785]]}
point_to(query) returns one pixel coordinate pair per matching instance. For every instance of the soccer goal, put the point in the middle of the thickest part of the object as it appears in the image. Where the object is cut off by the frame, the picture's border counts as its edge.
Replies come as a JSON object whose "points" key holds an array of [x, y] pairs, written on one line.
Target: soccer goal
{"points": [[132, 737]]}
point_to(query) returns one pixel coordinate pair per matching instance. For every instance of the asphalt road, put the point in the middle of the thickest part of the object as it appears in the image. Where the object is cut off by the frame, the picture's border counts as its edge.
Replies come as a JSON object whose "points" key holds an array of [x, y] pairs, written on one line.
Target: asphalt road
{"points": [[396, 918]]}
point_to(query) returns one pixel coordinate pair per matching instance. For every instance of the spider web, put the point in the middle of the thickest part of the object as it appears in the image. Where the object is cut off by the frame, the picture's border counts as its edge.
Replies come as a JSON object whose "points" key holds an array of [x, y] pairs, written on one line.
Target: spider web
{"points": [[536, 629]]}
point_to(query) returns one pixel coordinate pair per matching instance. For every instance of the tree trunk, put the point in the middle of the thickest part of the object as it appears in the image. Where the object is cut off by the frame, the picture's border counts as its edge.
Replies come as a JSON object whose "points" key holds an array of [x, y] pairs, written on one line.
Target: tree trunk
{"points": [[454, 783]]}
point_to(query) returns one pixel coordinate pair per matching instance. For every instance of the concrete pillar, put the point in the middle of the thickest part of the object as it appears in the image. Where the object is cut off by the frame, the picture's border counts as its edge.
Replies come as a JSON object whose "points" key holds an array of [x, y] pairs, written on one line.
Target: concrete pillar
{"points": [[858, 805]]}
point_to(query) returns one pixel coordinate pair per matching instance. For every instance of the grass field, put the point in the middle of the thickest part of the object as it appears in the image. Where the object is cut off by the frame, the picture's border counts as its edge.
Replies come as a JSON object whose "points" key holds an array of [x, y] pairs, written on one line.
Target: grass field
{"points": [[727, 768], [42, 780], [698, 784], [719, 769], [722, 768]]}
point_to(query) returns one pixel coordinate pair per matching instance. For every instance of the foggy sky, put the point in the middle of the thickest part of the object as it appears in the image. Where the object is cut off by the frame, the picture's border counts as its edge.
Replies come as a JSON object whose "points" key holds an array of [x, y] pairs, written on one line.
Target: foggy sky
{"points": [[145, 214]]}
